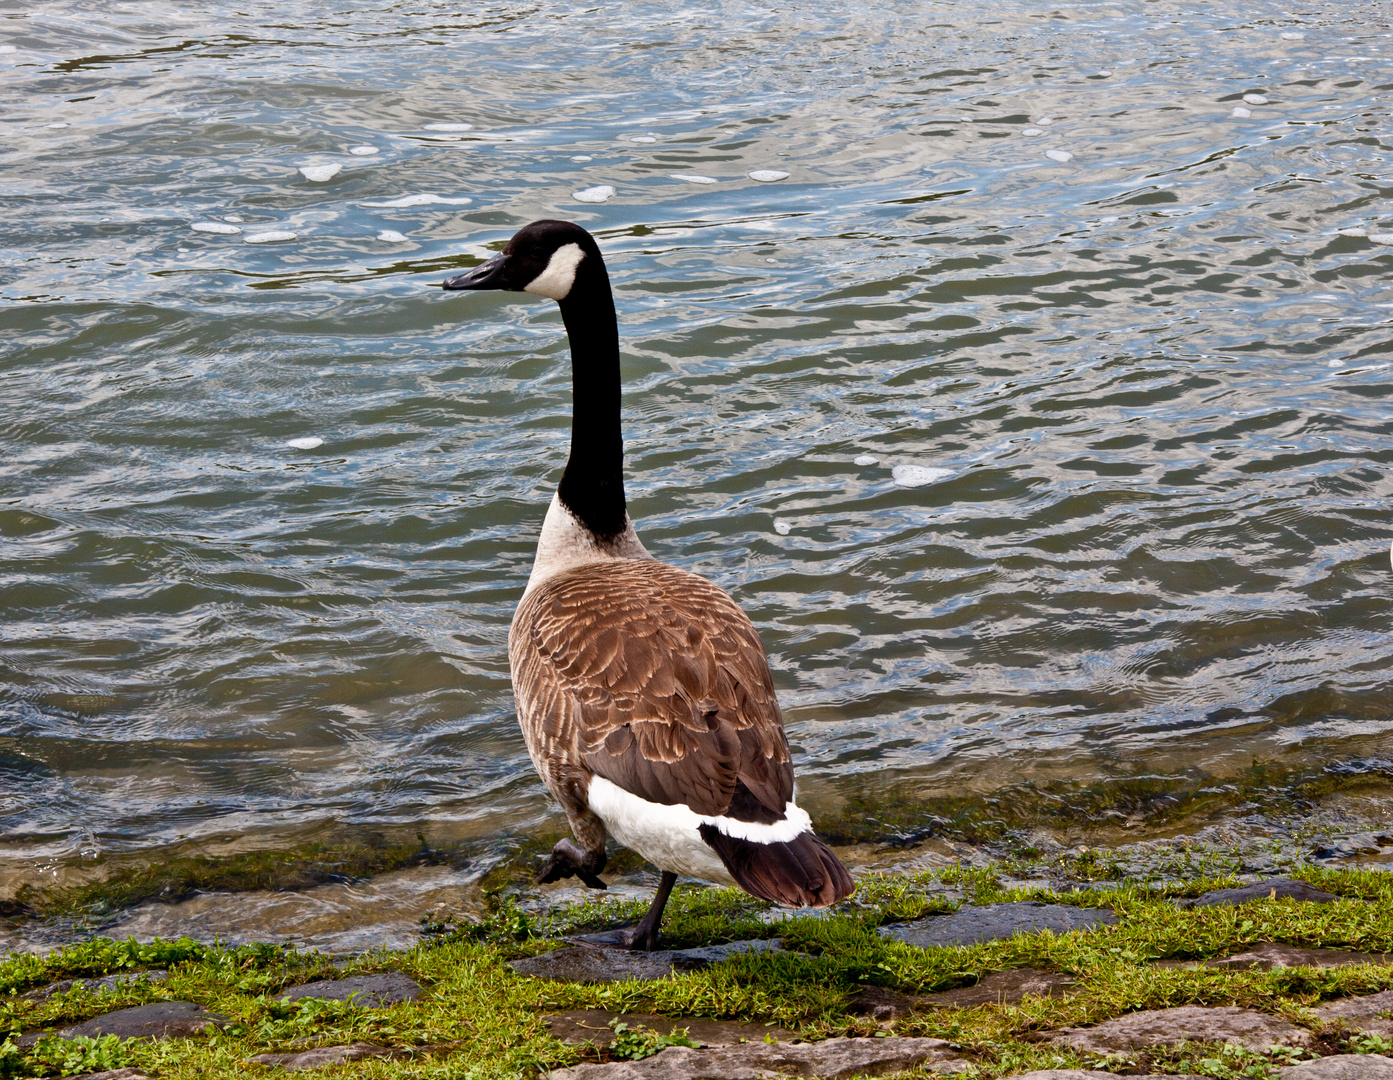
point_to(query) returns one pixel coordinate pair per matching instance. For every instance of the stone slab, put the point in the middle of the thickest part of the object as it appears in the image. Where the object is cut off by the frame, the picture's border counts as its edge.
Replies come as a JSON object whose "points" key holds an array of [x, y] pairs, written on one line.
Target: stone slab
{"points": [[1341, 1067], [991, 922], [1189, 1023], [112, 1074], [1091, 1074], [593, 1025], [1369, 1013], [1003, 988], [1271, 889], [587, 963], [324, 1055], [1269, 956], [96, 986], [162, 1020], [829, 1060], [364, 991]]}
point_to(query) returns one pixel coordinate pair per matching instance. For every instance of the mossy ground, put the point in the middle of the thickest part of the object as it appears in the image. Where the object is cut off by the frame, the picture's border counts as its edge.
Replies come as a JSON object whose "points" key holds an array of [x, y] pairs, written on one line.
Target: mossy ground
{"points": [[478, 1018]]}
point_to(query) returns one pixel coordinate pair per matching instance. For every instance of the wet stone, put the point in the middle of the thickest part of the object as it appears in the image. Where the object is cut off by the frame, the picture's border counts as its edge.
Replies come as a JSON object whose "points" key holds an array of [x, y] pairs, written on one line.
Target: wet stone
{"points": [[96, 986], [1269, 956], [1003, 988], [324, 1055], [881, 1004], [365, 991], [586, 963], [831, 1060], [1369, 1013], [162, 1020], [112, 1074], [1272, 889], [1190, 1023], [593, 1025], [994, 921], [1342, 1067]]}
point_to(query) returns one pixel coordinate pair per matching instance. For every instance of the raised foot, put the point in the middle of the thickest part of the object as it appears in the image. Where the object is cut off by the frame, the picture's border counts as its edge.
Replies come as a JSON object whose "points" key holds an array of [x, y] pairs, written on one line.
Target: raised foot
{"points": [[569, 859]]}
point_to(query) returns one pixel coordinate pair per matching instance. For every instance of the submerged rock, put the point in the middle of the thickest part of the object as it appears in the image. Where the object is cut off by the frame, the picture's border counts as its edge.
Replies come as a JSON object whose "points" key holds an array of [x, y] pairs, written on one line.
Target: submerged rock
{"points": [[324, 1055], [593, 1025], [1369, 1013], [1003, 988], [1271, 889], [993, 921], [365, 991], [1189, 1023], [587, 963], [1341, 1067], [830, 1060]]}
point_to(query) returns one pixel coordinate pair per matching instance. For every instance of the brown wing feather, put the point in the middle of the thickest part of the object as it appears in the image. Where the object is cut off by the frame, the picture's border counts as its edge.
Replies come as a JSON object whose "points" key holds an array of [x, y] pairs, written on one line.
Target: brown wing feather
{"points": [[654, 679]]}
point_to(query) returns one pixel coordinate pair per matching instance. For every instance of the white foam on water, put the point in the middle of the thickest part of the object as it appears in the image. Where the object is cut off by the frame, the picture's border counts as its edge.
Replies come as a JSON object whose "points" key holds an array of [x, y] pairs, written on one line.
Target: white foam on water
{"points": [[319, 173], [1381, 237], [582, 157], [59, 124], [1031, 132], [272, 236], [309, 442], [1337, 362], [1059, 155], [391, 236], [1104, 74], [918, 475], [417, 200], [1255, 99], [642, 138], [783, 528], [867, 459], [1352, 232], [1045, 121], [363, 151], [215, 227], [232, 217], [1109, 218], [8, 49], [1290, 35], [449, 127], [598, 193], [1240, 112], [693, 178], [767, 176]]}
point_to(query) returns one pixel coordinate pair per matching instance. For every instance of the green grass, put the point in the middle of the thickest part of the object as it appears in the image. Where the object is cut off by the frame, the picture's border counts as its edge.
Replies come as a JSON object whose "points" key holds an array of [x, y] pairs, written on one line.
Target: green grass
{"points": [[479, 1019]]}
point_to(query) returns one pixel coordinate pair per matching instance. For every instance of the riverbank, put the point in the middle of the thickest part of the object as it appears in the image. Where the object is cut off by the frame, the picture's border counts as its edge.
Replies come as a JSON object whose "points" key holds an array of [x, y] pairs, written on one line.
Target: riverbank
{"points": [[845, 974]]}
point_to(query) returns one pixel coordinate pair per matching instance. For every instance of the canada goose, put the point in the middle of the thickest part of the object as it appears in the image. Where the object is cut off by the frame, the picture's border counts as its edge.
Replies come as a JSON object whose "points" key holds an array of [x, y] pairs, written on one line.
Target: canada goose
{"points": [[642, 690]]}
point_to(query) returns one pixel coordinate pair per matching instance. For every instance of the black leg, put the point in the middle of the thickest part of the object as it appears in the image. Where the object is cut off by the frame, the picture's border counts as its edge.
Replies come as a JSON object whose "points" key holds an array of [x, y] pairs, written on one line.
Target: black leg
{"points": [[644, 936], [569, 859]]}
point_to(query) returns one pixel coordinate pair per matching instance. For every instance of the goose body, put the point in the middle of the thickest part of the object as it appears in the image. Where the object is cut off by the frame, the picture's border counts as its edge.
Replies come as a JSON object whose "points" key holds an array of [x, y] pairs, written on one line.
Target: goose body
{"points": [[643, 692]]}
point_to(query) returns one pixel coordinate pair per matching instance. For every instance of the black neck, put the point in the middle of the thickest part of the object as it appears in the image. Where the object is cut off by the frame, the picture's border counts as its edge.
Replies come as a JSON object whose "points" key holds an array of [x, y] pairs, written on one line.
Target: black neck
{"points": [[592, 487]]}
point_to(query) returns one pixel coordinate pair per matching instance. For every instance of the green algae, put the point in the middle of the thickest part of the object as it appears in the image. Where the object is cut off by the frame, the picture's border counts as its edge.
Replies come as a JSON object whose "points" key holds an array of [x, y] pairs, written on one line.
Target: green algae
{"points": [[480, 1019]]}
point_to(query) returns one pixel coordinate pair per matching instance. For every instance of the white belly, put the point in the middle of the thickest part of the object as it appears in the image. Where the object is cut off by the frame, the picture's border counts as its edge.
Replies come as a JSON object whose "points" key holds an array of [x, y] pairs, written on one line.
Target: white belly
{"points": [[667, 836]]}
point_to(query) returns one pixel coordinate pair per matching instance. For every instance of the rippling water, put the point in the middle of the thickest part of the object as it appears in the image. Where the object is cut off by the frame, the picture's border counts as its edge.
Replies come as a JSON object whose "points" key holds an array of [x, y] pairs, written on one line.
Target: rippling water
{"points": [[1146, 335]]}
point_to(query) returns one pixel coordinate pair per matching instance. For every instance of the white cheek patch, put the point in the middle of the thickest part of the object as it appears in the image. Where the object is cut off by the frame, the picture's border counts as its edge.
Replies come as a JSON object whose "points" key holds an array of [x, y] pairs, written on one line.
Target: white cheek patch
{"points": [[556, 280]]}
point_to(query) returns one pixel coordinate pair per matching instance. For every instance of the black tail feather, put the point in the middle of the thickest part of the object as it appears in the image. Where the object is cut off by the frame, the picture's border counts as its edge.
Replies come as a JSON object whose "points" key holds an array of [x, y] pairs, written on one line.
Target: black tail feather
{"points": [[801, 872]]}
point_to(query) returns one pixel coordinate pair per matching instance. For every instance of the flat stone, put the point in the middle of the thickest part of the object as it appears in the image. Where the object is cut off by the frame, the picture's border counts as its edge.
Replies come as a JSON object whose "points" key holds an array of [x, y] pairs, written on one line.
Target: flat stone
{"points": [[1271, 889], [830, 1060], [1369, 1013], [1091, 1074], [162, 1020], [586, 963], [881, 1004], [106, 982], [1341, 1067], [1189, 1023], [1003, 988], [1269, 956], [112, 1074], [324, 1055], [593, 1025], [365, 991], [993, 921]]}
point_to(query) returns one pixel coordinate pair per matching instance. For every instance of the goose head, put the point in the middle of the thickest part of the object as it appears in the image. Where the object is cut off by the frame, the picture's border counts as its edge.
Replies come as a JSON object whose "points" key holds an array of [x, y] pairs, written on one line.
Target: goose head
{"points": [[545, 258]]}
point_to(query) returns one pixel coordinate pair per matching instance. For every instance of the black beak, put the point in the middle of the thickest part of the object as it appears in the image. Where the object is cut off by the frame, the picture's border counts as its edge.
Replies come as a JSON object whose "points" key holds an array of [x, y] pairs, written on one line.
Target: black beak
{"points": [[487, 275]]}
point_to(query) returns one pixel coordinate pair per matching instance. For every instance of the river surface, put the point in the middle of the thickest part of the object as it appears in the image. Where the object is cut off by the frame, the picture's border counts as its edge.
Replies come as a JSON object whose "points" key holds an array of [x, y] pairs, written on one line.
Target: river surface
{"points": [[1041, 416]]}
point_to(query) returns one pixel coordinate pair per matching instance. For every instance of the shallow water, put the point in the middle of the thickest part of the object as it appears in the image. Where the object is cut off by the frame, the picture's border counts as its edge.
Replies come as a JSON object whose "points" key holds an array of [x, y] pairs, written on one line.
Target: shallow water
{"points": [[1155, 373]]}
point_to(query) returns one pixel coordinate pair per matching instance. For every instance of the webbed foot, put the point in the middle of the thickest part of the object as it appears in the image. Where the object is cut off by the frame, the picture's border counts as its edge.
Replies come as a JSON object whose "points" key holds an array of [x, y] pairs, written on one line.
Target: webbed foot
{"points": [[569, 859]]}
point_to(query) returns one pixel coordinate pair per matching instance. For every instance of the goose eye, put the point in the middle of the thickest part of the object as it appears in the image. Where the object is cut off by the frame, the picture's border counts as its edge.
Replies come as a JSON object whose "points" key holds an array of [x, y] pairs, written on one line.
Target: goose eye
{"points": [[538, 252]]}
